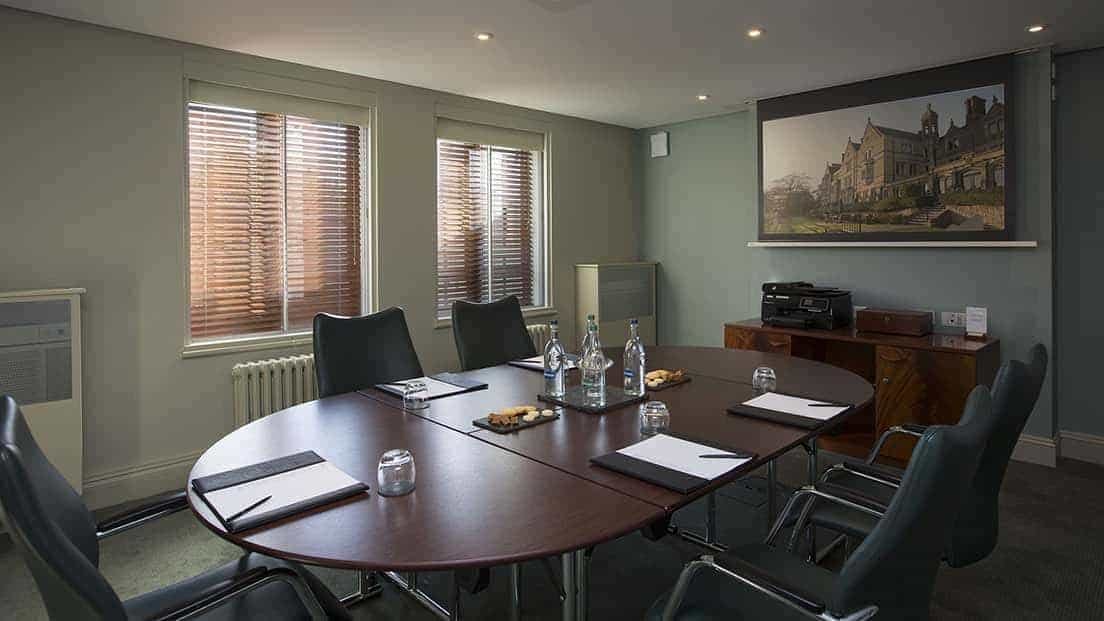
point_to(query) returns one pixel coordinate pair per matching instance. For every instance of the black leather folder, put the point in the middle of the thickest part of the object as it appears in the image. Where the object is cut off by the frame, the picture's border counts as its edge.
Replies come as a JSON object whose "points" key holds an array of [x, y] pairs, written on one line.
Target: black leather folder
{"points": [[652, 473], [782, 418], [264, 469]]}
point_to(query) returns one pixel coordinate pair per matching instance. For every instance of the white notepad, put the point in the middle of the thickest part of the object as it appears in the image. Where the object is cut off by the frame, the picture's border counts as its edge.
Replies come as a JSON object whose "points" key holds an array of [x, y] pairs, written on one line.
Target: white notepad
{"points": [[287, 488], [682, 455], [539, 362], [797, 406]]}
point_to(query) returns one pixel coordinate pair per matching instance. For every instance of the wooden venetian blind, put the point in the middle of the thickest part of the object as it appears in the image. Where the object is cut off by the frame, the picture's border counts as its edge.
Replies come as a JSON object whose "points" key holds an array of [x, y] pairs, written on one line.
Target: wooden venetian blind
{"points": [[274, 213], [487, 205]]}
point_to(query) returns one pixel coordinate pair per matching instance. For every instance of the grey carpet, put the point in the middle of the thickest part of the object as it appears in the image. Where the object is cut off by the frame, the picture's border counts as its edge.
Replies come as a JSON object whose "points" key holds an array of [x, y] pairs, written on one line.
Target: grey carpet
{"points": [[1049, 564]]}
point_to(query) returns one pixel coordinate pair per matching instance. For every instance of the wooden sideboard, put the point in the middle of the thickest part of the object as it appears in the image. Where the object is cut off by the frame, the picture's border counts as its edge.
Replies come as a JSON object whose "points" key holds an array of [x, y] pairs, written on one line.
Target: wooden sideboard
{"points": [[917, 379]]}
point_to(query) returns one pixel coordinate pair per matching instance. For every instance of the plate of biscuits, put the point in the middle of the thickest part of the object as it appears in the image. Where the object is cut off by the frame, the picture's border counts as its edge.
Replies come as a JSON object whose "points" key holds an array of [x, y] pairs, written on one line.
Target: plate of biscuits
{"points": [[662, 379], [505, 420]]}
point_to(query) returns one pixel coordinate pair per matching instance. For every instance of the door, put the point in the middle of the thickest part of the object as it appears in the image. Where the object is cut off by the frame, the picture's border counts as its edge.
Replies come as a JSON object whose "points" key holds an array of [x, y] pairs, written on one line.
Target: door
{"points": [[920, 387]]}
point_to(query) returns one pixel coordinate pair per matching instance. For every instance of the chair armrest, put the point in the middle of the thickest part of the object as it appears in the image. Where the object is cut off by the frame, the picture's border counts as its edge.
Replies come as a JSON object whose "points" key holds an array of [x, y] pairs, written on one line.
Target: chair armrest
{"points": [[850, 495], [159, 507], [749, 575], [240, 583], [874, 472], [775, 584], [907, 429]]}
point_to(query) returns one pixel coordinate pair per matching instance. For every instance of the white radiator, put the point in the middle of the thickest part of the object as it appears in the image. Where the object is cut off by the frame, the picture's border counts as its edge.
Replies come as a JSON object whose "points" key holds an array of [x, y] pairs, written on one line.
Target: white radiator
{"points": [[540, 333], [262, 387]]}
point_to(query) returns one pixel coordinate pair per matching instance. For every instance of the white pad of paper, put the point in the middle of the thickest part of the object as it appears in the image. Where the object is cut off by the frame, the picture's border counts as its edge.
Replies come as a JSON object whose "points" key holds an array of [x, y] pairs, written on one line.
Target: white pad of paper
{"points": [[539, 361], [286, 488], [682, 455], [795, 405]]}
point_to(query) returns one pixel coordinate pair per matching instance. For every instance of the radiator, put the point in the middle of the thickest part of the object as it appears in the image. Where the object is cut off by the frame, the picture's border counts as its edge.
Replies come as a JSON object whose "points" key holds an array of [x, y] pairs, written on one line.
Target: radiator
{"points": [[262, 387], [540, 333]]}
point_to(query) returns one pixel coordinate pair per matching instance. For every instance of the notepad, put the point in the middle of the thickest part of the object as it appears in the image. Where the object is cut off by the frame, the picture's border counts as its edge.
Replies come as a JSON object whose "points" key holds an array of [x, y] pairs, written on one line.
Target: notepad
{"points": [[536, 363], [440, 385], [683, 456], [797, 406], [292, 486]]}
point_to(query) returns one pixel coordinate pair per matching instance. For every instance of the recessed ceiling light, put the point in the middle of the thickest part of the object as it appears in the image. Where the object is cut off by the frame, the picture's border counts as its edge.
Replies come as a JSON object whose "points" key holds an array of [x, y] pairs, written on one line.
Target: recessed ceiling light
{"points": [[1033, 28], [703, 97], [484, 36], [755, 32]]}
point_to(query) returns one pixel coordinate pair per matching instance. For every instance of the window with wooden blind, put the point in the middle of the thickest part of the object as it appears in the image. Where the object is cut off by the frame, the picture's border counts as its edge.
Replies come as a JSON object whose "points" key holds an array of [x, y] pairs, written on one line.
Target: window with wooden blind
{"points": [[490, 216], [275, 208]]}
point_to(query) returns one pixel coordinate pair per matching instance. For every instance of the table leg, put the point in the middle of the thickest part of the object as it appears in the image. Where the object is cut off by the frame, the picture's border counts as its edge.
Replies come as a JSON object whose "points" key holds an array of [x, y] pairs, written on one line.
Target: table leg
{"points": [[772, 493], [409, 585], [813, 468], [709, 540], [582, 584], [515, 592], [368, 586], [571, 593]]}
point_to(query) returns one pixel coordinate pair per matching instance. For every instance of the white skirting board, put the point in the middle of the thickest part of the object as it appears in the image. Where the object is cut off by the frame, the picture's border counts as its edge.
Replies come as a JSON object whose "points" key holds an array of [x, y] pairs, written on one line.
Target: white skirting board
{"points": [[1036, 450], [137, 482], [1081, 446]]}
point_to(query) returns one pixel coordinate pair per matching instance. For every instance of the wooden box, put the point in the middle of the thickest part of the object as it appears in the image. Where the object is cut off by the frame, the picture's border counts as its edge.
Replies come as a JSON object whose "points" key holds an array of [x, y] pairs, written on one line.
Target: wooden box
{"points": [[905, 322]]}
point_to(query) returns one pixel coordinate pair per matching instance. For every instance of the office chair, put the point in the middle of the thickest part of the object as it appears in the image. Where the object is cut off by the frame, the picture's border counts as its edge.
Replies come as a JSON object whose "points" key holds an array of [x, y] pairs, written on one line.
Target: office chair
{"points": [[59, 541], [351, 353], [891, 574], [490, 334], [1014, 393]]}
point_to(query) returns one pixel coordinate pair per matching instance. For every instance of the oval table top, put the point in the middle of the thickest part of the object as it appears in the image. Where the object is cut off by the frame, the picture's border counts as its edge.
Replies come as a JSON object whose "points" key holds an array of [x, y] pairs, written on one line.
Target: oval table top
{"points": [[484, 498]]}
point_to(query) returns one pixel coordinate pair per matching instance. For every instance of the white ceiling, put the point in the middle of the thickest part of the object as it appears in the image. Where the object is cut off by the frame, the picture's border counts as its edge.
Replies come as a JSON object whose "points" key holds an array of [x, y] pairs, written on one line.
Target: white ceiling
{"points": [[635, 63]]}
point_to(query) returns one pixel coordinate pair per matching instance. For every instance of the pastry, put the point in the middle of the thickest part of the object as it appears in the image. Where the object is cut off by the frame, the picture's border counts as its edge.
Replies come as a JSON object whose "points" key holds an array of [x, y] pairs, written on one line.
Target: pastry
{"points": [[661, 376], [547, 413], [531, 416], [503, 418]]}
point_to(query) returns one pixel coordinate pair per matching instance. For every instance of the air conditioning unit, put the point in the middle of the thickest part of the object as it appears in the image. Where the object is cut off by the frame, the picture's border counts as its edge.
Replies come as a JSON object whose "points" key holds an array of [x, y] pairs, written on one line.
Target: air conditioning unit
{"points": [[40, 368], [615, 293]]}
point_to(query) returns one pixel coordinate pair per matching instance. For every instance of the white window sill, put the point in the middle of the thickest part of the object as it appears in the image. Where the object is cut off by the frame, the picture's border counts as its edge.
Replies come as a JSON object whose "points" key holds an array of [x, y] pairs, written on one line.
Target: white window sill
{"points": [[256, 343], [528, 313]]}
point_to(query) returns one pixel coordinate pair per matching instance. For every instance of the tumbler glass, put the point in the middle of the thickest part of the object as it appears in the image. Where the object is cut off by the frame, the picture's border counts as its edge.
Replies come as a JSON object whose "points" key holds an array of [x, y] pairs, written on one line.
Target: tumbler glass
{"points": [[654, 418], [396, 473], [415, 395], [764, 380]]}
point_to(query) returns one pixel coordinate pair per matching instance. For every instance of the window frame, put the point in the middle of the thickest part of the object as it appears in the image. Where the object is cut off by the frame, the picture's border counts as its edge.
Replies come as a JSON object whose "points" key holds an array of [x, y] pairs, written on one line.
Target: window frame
{"points": [[544, 278], [369, 246]]}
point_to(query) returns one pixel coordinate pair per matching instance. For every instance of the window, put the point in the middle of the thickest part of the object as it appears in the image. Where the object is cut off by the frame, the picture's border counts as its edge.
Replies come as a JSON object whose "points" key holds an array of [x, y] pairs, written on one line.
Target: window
{"points": [[490, 215], [275, 204]]}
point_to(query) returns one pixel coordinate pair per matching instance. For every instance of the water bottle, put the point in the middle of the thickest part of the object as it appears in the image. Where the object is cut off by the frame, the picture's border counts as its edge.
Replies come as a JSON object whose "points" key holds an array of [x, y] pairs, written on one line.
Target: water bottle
{"points": [[554, 363], [586, 336], [593, 366], [634, 361]]}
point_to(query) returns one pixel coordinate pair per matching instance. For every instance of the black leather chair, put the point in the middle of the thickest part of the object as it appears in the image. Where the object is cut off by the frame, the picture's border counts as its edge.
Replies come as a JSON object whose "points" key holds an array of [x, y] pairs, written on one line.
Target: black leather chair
{"points": [[351, 353], [490, 334], [59, 541], [891, 574], [1014, 393]]}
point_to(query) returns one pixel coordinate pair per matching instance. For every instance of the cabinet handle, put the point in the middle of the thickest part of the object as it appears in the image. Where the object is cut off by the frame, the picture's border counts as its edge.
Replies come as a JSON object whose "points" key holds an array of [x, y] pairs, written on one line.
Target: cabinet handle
{"points": [[885, 380]]}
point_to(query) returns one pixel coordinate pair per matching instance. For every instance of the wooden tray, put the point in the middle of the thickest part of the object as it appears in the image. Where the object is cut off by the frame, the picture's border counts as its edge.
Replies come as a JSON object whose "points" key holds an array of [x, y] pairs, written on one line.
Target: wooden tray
{"points": [[574, 398], [665, 385], [484, 423]]}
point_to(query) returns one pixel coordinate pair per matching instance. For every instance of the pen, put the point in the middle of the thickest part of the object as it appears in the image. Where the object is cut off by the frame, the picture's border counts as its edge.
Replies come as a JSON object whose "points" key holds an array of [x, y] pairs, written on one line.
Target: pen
{"points": [[725, 456], [827, 405], [248, 509]]}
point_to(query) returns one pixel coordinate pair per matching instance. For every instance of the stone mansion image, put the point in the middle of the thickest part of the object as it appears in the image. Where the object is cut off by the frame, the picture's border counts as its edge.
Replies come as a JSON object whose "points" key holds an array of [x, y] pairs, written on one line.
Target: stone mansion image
{"points": [[888, 163]]}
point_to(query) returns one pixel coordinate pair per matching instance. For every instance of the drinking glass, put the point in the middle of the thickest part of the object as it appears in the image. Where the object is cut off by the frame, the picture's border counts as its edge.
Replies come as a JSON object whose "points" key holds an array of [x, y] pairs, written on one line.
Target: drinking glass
{"points": [[764, 380], [395, 474], [415, 395], [654, 418]]}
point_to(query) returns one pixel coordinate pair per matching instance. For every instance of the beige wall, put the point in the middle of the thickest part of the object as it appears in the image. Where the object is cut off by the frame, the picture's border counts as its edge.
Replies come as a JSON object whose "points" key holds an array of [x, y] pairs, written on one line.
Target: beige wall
{"points": [[91, 195]]}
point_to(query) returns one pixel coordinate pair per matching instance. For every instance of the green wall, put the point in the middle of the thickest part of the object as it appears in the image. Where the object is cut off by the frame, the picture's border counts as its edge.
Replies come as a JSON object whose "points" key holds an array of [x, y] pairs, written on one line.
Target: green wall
{"points": [[699, 210]]}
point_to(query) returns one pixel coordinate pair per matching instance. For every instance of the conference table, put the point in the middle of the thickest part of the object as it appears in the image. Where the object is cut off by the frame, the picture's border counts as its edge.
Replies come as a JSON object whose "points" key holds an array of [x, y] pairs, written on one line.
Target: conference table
{"points": [[488, 499]]}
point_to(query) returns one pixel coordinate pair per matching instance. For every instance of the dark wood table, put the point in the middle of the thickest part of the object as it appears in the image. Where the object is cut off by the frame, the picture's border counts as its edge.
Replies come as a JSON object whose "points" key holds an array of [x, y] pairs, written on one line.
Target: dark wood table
{"points": [[484, 498]]}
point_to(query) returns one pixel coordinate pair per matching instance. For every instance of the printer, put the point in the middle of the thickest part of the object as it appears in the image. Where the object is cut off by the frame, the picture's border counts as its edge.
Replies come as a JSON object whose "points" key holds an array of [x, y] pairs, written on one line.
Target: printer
{"points": [[803, 305]]}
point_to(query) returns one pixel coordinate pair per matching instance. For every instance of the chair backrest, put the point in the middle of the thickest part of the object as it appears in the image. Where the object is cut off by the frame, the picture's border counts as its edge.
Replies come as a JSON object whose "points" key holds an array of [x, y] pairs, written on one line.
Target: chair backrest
{"points": [[351, 353], [50, 526], [491, 333], [1014, 392], [895, 567]]}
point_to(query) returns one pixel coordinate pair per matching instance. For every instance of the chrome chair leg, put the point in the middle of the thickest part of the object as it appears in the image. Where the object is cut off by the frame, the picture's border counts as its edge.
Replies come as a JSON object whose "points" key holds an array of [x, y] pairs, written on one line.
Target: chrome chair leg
{"points": [[409, 585], [772, 492], [368, 586], [811, 448], [582, 583]]}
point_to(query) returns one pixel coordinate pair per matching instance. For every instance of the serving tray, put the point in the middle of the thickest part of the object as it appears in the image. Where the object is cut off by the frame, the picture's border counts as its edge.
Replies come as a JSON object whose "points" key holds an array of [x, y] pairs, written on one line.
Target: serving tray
{"points": [[485, 423], [576, 399]]}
